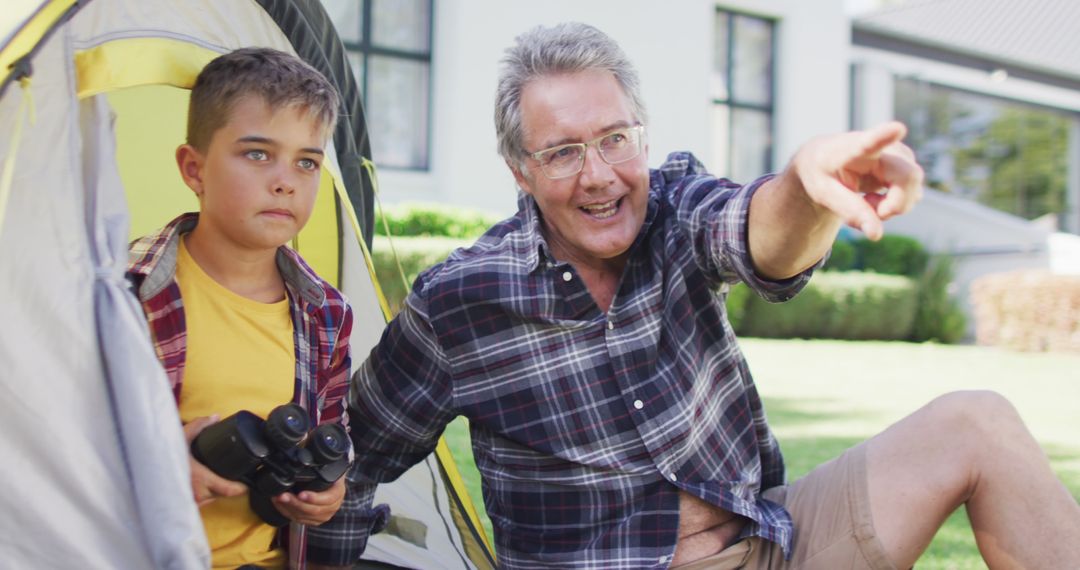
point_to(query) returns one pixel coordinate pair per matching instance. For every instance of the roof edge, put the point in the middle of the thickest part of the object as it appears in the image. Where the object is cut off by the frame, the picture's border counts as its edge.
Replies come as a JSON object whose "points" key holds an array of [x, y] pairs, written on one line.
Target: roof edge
{"points": [[887, 40]]}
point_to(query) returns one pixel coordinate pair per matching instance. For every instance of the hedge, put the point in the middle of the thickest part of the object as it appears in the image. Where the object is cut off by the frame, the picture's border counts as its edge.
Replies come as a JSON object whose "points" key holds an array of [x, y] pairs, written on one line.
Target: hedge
{"points": [[891, 255], [1027, 310], [416, 253], [841, 305], [425, 219], [938, 315]]}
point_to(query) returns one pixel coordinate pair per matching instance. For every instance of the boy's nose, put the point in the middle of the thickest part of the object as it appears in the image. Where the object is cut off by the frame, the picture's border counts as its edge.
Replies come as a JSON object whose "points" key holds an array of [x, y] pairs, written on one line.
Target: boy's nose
{"points": [[283, 186]]}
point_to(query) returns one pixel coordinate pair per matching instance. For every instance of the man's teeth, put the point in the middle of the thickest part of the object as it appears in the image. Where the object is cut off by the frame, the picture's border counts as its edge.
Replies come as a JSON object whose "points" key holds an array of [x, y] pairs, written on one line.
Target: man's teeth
{"points": [[605, 210]]}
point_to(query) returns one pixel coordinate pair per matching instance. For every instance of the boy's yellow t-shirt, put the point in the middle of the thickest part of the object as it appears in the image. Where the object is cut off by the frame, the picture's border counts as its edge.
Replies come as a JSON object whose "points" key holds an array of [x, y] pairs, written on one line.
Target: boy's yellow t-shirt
{"points": [[240, 356]]}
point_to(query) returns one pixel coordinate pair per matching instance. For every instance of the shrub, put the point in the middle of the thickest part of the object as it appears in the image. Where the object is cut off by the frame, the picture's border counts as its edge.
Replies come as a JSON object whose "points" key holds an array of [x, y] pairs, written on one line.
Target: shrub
{"points": [[420, 219], [844, 256], [416, 254], [938, 315], [737, 299], [892, 255], [1027, 310], [843, 305]]}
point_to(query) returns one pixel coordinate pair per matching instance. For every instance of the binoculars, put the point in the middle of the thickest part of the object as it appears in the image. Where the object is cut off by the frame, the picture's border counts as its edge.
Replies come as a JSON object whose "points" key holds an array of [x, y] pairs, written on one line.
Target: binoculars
{"points": [[273, 456]]}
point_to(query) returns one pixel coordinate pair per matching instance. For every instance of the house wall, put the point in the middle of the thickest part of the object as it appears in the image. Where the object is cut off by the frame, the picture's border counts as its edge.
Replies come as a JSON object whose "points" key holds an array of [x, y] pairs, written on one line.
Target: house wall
{"points": [[671, 43]]}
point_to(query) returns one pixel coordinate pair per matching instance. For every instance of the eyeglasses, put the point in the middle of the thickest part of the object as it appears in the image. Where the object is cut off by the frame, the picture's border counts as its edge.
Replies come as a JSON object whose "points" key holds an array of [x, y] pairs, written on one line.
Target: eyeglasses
{"points": [[566, 160]]}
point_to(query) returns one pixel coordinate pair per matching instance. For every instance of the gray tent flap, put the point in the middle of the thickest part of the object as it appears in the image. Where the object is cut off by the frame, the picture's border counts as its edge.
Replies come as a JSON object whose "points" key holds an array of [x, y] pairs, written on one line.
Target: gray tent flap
{"points": [[143, 410], [66, 494]]}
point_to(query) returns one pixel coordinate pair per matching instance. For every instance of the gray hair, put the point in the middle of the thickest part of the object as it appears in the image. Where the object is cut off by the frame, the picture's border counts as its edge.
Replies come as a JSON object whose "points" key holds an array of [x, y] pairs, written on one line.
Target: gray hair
{"points": [[542, 52]]}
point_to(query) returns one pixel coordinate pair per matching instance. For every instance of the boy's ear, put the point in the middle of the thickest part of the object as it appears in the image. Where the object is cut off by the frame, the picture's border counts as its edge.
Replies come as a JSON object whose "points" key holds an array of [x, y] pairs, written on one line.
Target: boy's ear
{"points": [[190, 162]]}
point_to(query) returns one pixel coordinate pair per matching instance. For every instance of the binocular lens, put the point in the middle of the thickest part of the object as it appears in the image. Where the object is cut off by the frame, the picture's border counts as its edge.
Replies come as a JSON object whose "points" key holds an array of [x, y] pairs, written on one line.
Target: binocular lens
{"points": [[328, 443], [287, 425]]}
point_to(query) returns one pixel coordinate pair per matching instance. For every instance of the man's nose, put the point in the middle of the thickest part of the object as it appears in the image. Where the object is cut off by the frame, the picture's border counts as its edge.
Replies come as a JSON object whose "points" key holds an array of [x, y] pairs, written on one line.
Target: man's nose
{"points": [[596, 171]]}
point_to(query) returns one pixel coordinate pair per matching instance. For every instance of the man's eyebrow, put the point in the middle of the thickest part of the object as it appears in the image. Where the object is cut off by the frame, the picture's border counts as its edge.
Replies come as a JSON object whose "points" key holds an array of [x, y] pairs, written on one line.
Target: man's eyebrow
{"points": [[607, 129], [272, 142]]}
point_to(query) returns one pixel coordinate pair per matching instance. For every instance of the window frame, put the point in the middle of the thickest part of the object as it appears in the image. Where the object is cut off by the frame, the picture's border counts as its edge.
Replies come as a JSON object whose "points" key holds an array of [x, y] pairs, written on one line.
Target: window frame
{"points": [[365, 48], [731, 102]]}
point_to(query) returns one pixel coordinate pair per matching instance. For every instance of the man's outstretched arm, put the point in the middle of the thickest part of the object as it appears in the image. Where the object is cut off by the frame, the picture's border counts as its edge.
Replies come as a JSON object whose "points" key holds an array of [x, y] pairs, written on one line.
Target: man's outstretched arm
{"points": [[860, 178]]}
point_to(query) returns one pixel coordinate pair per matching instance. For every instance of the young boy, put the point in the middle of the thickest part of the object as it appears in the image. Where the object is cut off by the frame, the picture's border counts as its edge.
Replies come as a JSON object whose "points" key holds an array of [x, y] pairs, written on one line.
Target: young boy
{"points": [[238, 320]]}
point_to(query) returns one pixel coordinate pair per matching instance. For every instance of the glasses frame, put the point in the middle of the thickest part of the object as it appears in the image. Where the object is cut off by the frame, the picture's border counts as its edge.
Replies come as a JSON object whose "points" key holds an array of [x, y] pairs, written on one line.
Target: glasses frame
{"points": [[584, 146]]}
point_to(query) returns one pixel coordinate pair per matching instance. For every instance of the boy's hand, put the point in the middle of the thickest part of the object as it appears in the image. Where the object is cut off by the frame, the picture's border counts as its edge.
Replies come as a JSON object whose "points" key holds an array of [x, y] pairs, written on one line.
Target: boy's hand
{"points": [[205, 484], [310, 507]]}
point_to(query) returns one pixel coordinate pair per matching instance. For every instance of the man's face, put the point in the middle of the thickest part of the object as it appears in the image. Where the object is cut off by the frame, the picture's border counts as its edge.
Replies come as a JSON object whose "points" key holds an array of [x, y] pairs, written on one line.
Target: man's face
{"points": [[593, 216], [259, 176]]}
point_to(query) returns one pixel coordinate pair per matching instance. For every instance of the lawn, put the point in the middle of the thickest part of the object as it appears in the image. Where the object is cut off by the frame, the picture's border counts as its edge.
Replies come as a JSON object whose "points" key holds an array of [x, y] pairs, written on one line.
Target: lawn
{"points": [[824, 396]]}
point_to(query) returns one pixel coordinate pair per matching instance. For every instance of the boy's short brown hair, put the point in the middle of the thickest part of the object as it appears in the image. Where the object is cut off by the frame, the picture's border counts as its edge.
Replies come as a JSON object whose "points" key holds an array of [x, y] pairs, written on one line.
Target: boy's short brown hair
{"points": [[279, 78]]}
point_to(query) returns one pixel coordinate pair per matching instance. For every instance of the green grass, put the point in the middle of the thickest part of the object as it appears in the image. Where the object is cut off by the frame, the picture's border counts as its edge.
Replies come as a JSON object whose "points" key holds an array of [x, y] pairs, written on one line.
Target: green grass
{"points": [[825, 396]]}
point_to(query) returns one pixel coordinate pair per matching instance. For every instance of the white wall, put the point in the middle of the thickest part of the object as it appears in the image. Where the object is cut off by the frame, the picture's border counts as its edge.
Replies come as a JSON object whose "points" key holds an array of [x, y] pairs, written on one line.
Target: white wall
{"points": [[671, 43]]}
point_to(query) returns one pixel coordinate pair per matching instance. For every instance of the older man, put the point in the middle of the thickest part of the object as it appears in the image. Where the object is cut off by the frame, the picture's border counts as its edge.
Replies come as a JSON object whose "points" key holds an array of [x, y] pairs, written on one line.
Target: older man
{"points": [[613, 417]]}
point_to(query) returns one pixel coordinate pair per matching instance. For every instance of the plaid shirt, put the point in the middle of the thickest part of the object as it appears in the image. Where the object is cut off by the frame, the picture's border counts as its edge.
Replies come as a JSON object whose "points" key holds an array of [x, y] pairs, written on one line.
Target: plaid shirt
{"points": [[586, 425], [322, 323]]}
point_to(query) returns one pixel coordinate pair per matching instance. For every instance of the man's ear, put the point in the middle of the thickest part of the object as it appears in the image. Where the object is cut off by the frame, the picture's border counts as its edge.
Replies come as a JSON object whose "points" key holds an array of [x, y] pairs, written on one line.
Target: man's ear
{"points": [[522, 180], [190, 162]]}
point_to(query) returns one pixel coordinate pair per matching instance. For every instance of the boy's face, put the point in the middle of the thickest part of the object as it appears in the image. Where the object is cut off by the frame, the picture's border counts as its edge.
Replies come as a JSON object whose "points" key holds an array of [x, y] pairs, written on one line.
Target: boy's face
{"points": [[257, 180]]}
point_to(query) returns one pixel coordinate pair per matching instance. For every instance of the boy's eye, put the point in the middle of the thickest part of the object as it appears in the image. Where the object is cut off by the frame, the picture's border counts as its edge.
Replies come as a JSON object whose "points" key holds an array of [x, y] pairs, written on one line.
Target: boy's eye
{"points": [[257, 155], [308, 164]]}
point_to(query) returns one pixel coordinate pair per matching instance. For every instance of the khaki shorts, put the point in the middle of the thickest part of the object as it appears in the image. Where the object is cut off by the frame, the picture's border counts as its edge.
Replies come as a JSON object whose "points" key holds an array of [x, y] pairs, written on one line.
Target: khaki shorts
{"points": [[833, 526]]}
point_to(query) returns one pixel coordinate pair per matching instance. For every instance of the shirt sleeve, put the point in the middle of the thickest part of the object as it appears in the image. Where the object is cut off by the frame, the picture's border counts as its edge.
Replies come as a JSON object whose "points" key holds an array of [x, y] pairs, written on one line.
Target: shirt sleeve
{"points": [[401, 397], [714, 215], [341, 540]]}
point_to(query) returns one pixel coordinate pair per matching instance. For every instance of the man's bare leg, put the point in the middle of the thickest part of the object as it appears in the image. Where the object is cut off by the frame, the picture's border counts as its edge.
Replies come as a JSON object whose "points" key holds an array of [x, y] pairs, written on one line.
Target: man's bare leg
{"points": [[971, 448]]}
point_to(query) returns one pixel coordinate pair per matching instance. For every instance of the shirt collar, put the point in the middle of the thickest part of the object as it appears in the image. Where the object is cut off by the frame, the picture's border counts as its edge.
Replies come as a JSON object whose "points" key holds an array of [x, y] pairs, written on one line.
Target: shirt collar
{"points": [[158, 266], [532, 229]]}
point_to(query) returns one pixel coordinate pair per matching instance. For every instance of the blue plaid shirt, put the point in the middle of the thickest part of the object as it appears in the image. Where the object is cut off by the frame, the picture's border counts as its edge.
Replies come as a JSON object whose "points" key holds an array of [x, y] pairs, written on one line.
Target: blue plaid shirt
{"points": [[586, 425]]}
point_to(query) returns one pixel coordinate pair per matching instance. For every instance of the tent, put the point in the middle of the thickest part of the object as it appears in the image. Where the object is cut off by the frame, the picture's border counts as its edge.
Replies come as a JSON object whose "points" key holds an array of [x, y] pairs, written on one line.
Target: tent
{"points": [[92, 104]]}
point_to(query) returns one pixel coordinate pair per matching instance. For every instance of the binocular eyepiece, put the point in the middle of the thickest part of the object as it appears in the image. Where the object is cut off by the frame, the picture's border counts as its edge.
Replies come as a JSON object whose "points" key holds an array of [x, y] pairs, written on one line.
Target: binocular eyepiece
{"points": [[273, 456]]}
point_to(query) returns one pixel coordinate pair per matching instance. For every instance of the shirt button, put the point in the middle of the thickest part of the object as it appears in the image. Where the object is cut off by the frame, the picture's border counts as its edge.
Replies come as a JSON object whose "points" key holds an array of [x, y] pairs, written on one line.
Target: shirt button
{"points": [[672, 477], [610, 326], [566, 276], [638, 404]]}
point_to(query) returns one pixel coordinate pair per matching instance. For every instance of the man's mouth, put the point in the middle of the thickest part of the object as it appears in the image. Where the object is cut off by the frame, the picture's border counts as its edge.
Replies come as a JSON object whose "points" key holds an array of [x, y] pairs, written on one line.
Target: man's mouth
{"points": [[602, 211]]}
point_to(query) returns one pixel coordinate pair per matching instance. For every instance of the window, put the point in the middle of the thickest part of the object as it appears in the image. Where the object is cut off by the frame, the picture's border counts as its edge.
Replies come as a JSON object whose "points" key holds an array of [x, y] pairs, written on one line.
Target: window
{"points": [[1005, 154], [389, 45], [742, 94]]}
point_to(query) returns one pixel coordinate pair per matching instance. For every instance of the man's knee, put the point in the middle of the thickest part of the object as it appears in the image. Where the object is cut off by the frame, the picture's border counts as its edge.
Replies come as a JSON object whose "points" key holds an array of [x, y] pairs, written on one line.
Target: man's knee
{"points": [[976, 417]]}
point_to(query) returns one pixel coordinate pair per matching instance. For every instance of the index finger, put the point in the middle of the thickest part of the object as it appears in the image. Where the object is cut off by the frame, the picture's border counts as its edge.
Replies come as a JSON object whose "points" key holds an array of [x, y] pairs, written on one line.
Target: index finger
{"points": [[871, 142]]}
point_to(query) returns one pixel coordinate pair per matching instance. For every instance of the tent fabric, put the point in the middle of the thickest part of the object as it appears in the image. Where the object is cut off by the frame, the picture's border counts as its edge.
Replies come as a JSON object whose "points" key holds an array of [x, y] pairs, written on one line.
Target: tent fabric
{"points": [[155, 458], [68, 488], [103, 476], [23, 26]]}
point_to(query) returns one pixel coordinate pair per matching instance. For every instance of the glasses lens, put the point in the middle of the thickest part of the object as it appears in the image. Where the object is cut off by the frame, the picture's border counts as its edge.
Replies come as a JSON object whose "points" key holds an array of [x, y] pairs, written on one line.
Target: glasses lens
{"points": [[620, 146], [561, 161]]}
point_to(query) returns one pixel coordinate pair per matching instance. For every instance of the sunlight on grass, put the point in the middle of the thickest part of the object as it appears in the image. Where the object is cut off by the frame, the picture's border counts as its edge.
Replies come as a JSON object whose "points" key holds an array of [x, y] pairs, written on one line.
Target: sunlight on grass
{"points": [[822, 397]]}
